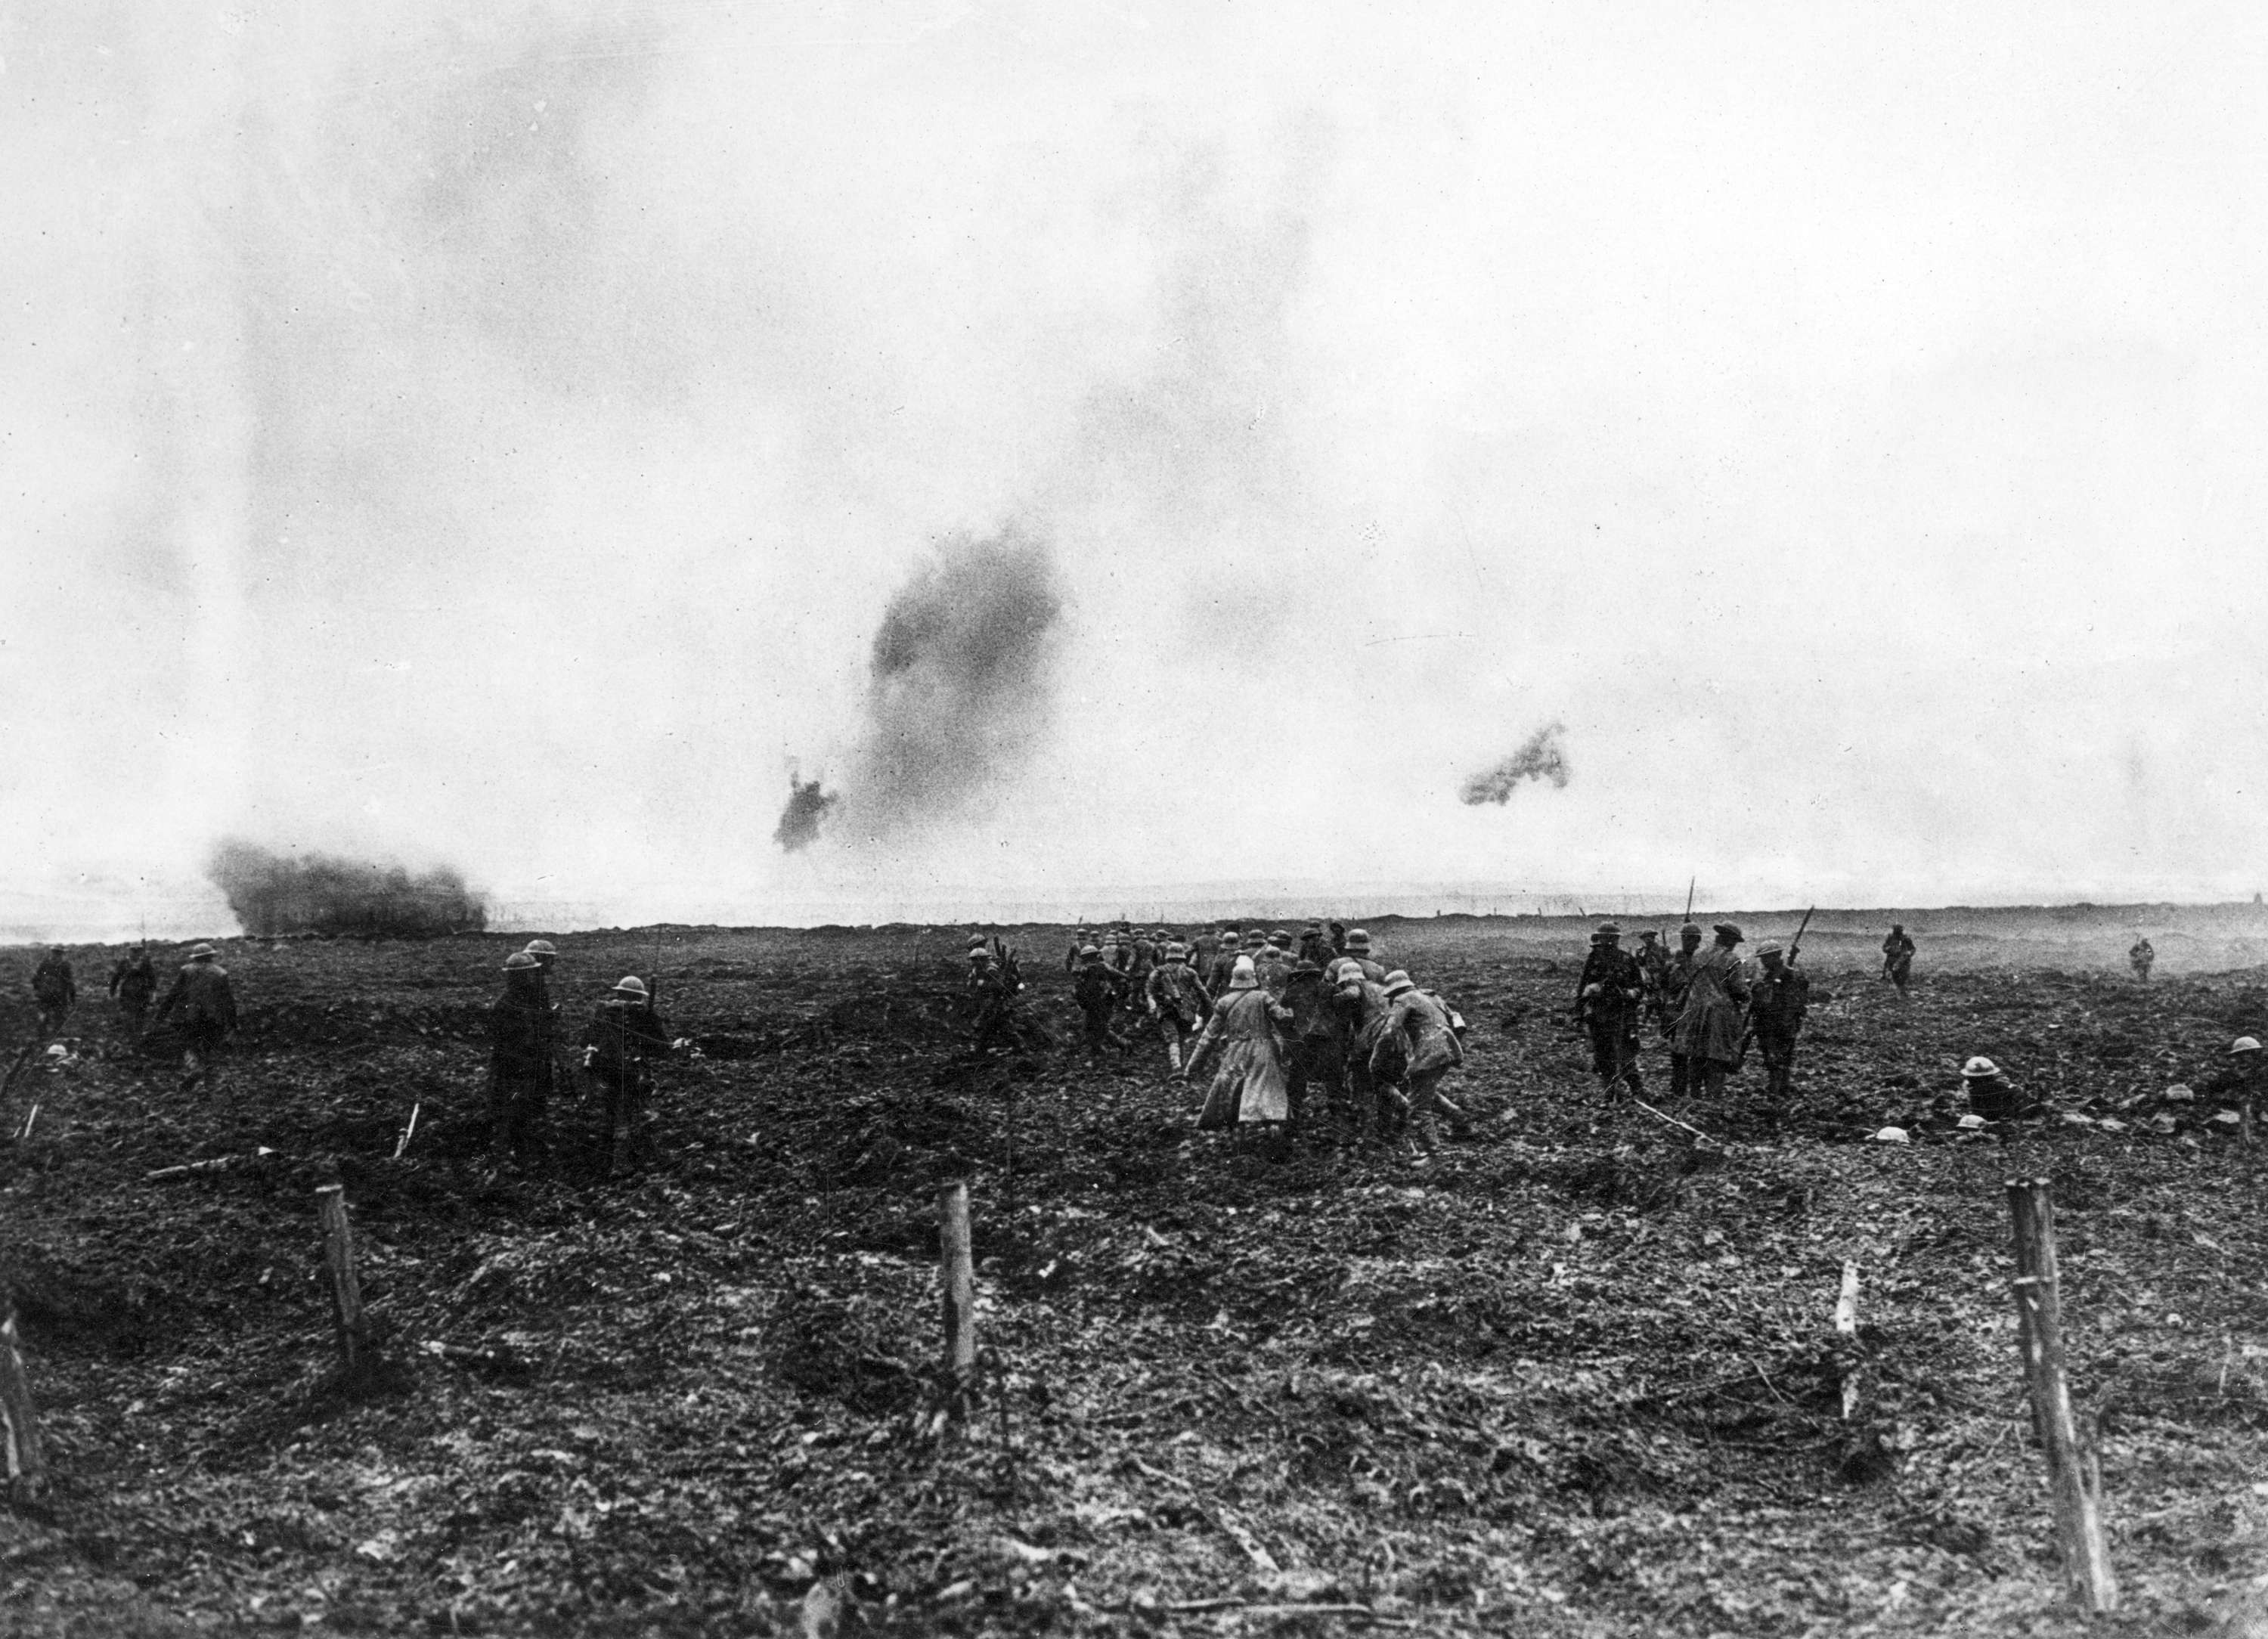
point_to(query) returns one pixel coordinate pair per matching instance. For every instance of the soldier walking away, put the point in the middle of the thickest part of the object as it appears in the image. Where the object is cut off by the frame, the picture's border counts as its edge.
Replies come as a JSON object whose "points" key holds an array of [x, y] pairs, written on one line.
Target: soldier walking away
{"points": [[624, 1038], [1608, 1000], [1776, 1003], [1363, 1008], [1417, 1049], [2141, 956], [1898, 956], [1144, 957], [1709, 1022], [202, 1002], [1097, 990], [1357, 951], [53, 989], [1201, 952], [1178, 1001], [523, 1055], [1314, 1044], [1223, 966], [133, 984], [1273, 962], [1677, 978], [1248, 1086], [546, 957]]}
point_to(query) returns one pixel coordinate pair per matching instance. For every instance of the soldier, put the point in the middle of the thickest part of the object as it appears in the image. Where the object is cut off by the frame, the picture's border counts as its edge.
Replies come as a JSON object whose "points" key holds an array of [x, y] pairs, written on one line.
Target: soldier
{"points": [[1314, 947], [1201, 952], [1119, 953], [1363, 1008], [2249, 1066], [1216, 977], [1357, 951], [1898, 956], [1709, 1022], [133, 982], [624, 1038], [991, 990], [1080, 938], [1417, 1034], [1097, 990], [546, 957], [203, 1000], [1315, 1039], [53, 988], [1776, 1003], [2141, 956], [1248, 1086], [1654, 967], [1273, 962], [1338, 940], [1178, 1000], [1608, 997], [1676, 978], [1144, 960], [523, 1056], [1992, 1094]]}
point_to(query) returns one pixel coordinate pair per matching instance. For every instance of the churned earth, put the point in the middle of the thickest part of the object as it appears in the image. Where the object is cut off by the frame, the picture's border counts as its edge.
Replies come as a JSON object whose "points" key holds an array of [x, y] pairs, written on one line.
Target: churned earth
{"points": [[1575, 1374]]}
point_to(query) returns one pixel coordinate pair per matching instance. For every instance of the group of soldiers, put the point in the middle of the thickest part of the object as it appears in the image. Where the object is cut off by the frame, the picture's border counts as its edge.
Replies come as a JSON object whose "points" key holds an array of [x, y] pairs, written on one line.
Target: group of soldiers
{"points": [[623, 1041], [1701, 1002], [1271, 1018]]}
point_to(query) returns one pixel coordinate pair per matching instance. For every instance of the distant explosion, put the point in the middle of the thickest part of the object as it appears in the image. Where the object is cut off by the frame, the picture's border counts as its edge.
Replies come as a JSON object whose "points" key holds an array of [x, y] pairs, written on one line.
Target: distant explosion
{"points": [[806, 806], [274, 893], [1541, 756], [958, 691]]}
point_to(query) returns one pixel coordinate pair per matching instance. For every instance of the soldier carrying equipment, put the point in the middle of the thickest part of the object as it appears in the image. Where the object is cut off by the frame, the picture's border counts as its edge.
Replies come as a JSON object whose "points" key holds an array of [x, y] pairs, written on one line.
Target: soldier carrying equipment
{"points": [[1709, 1022], [1776, 1003], [1177, 999], [523, 1056], [133, 984], [2141, 956], [203, 1001], [1898, 956], [1097, 990]]}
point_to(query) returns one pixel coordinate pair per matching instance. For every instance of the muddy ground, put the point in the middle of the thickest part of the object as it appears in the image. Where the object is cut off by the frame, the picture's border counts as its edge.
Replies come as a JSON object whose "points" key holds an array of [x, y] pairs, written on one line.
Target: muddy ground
{"points": [[1575, 1374]]}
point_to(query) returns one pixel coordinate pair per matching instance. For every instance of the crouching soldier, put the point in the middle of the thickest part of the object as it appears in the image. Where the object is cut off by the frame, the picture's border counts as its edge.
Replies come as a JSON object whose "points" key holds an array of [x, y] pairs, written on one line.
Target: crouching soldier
{"points": [[1417, 1049], [521, 1057], [1178, 1001], [625, 1038]]}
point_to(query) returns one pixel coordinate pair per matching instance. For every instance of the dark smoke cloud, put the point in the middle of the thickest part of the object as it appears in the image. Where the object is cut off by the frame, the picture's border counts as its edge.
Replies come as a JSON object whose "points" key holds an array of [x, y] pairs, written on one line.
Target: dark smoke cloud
{"points": [[806, 807], [1541, 756], [958, 688], [274, 893]]}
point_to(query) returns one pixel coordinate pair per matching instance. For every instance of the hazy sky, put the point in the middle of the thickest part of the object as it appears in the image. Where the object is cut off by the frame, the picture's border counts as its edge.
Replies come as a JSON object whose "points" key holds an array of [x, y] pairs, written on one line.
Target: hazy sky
{"points": [[470, 433]]}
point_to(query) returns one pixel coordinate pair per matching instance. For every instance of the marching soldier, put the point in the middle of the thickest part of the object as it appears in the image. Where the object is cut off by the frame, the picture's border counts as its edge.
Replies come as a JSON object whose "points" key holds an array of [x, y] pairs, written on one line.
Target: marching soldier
{"points": [[1178, 1001], [2141, 956], [1608, 997], [1776, 1003], [624, 1038], [201, 999], [1357, 951], [1097, 990]]}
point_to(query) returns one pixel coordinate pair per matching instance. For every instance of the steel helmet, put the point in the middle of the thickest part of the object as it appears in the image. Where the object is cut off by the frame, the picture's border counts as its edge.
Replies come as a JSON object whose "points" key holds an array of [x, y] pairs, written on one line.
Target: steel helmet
{"points": [[519, 962], [1979, 1067], [2245, 1044], [631, 984]]}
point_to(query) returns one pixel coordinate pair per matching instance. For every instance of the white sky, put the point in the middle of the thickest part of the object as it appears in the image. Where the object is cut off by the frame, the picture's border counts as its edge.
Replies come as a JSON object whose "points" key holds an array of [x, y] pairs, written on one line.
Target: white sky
{"points": [[462, 433]]}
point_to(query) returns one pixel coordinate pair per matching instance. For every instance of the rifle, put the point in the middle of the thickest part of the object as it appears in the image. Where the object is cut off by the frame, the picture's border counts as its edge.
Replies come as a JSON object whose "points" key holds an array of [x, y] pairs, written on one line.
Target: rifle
{"points": [[1690, 881], [1796, 945]]}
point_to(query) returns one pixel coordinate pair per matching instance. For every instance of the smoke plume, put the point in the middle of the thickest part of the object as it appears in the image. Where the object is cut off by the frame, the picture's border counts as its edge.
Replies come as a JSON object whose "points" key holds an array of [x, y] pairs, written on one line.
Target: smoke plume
{"points": [[958, 689], [806, 806], [274, 893], [1541, 756]]}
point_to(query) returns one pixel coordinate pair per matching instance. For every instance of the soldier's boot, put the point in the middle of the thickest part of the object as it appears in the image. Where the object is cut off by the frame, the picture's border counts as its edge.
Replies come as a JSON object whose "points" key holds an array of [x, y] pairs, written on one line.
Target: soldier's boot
{"points": [[1173, 1056]]}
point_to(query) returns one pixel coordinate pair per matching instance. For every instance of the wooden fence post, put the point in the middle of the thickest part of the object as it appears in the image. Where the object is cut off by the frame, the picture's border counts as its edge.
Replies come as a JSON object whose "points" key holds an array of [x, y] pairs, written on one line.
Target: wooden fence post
{"points": [[27, 1465], [346, 1289], [2074, 1482], [958, 1279], [1846, 1330]]}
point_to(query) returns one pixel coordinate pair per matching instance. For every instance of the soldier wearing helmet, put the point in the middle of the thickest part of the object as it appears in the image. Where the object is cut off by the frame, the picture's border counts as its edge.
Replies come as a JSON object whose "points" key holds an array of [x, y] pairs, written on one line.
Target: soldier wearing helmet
{"points": [[133, 983], [1608, 997], [202, 1002], [523, 1057], [1898, 956], [2139, 957], [1709, 1025], [1358, 952], [1676, 977], [1178, 1001], [1778, 1001], [620, 1047], [1097, 990]]}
